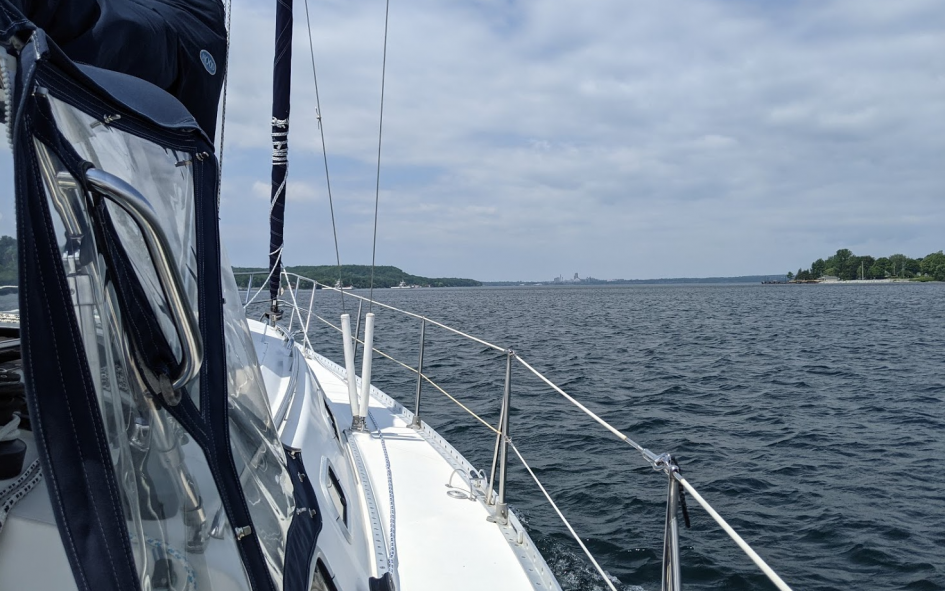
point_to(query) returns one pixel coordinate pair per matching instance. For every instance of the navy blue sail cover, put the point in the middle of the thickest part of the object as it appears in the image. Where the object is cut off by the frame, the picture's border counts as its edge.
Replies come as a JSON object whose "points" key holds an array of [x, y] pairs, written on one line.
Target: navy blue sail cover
{"points": [[177, 45], [61, 388]]}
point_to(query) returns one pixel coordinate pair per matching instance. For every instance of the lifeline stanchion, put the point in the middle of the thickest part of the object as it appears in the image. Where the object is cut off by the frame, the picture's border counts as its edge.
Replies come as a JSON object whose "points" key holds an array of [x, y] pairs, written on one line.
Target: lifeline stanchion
{"points": [[349, 364], [358, 422], [501, 506], [417, 423]]}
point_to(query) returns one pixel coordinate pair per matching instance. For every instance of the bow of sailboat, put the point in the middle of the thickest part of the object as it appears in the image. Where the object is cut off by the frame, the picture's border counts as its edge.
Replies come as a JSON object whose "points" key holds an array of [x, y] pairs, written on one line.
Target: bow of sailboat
{"points": [[174, 443]]}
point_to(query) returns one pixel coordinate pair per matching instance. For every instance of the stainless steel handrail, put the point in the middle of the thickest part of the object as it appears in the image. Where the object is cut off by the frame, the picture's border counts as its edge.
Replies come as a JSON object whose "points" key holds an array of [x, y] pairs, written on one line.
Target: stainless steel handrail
{"points": [[137, 206]]}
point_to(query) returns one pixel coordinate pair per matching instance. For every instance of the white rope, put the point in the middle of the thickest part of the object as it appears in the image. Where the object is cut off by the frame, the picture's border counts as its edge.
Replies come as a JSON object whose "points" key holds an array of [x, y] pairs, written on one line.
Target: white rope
{"points": [[11, 430], [280, 148], [564, 519], [392, 550], [779, 583], [18, 489], [6, 81], [279, 191]]}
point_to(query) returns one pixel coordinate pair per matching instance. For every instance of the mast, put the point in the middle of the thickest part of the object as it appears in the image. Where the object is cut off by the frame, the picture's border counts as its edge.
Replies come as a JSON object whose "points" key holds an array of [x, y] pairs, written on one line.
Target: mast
{"points": [[281, 86]]}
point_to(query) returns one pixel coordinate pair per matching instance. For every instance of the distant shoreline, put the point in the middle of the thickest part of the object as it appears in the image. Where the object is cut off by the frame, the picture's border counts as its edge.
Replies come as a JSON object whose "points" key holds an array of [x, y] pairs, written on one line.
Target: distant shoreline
{"points": [[856, 282], [663, 281], [748, 280]]}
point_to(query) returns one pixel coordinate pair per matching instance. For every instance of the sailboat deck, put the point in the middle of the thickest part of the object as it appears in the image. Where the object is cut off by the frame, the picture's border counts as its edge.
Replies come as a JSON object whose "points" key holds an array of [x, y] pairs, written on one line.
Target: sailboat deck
{"points": [[440, 541]]}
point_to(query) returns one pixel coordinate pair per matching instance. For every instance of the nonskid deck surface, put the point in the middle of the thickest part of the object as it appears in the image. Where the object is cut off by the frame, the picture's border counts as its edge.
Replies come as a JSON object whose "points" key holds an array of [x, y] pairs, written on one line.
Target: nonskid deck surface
{"points": [[29, 527], [441, 542]]}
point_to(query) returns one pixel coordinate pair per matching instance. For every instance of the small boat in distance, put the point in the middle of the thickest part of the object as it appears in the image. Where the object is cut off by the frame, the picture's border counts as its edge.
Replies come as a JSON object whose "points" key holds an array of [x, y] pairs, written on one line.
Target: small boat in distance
{"points": [[403, 285], [338, 285]]}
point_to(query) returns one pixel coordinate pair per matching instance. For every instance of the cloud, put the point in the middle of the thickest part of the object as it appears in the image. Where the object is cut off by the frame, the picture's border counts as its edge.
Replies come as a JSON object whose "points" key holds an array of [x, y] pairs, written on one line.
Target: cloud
{"points": [[585, 139], [297, 191], [714, 142], [620, 139]]}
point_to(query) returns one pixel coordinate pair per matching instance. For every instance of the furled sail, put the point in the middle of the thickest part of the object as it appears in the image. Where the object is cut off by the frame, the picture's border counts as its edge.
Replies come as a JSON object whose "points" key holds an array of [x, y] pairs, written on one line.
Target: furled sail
{"points": [[281, 85]]}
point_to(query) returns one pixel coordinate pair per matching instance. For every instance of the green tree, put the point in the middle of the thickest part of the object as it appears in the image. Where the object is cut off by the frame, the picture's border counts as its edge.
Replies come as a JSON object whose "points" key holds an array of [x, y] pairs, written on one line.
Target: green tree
{"points": [[866, 263], [841, 258], [897, 264], [790, 275], [913, 267], [850, 267], [885, 264], [845, 263], [933, 265], [817, 268]]}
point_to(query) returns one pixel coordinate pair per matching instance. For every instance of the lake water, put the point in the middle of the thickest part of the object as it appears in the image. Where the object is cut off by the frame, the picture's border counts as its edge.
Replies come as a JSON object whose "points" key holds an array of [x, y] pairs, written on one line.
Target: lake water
{"points": [[811, 416]]}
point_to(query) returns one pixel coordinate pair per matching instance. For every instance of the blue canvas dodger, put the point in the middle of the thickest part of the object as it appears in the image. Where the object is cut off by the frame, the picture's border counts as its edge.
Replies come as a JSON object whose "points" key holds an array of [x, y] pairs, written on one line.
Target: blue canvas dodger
{"points": [[177, 46]]}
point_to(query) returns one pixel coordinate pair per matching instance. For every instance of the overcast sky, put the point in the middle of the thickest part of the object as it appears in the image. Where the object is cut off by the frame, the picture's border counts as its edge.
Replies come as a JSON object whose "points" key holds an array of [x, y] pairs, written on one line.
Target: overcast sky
{"points": [[613, 138]]}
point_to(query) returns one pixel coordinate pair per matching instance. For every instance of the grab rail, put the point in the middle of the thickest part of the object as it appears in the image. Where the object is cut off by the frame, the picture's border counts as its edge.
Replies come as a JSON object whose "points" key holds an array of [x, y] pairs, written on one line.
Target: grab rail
{"points": [[659, 462], [137, 206]]}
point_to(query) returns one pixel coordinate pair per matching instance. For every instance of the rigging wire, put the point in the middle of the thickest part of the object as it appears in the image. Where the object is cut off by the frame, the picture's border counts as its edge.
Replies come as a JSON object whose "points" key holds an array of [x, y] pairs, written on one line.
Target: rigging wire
{"points": [[742, 544], [380, 134], [321, 130], [419, 317], [577, 538], [424, 376]]}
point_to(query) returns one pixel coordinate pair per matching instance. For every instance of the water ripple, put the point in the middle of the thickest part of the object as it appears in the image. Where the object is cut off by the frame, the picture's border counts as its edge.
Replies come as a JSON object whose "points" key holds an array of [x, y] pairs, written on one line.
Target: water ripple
{"points": [[811, 417]]}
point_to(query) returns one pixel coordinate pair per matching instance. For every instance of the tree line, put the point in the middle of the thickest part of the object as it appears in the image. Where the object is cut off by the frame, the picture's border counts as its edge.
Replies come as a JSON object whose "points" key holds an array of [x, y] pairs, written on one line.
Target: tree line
{"points": [[847, 266], [358, 276]]}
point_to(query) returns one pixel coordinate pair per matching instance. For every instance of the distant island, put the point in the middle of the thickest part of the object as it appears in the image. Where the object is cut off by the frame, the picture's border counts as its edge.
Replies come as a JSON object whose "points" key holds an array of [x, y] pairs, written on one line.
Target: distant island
{"points": [[358, 276], [558, 281], [846, 266]]}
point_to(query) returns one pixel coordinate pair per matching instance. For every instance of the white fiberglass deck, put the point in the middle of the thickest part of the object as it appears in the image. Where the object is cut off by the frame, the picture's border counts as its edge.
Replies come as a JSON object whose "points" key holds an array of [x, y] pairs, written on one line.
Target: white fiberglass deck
{"points": [[441, 542]]}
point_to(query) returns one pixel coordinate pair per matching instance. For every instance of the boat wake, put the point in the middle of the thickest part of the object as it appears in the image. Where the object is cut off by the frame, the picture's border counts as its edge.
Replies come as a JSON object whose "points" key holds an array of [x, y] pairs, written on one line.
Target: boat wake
{"points": [[573, 571]]}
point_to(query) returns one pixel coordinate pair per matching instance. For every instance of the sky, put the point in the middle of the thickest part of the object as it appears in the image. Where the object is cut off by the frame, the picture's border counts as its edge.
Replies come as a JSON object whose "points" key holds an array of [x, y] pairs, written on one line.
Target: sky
{"points": [[613, 138]]}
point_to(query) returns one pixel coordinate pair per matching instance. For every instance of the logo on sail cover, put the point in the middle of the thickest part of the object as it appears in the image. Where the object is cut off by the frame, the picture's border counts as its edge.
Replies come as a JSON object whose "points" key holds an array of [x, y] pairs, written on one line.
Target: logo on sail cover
{"points": [[208, 61]]}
